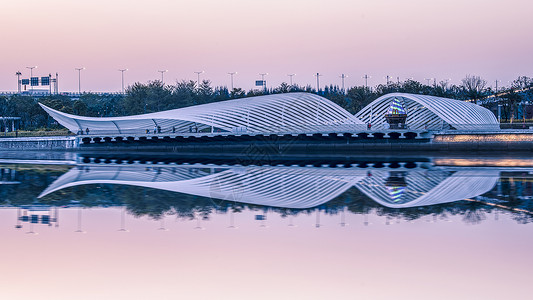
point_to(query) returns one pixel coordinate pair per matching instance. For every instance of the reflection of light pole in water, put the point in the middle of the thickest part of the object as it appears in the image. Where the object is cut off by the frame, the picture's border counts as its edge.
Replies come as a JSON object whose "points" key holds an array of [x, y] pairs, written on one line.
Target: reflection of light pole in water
{"points": [[231, 220], [366, 223], [198, 222], [343, 217], [291, 219], [123, 220], [79, 221], [162, 225], [18, 225], [31, 229], [56, 214], [317, 224]]}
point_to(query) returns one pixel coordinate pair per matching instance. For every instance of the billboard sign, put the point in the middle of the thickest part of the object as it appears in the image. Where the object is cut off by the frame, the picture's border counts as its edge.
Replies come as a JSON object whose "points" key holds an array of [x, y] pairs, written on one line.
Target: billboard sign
{"points": [[45, 80], [34, 81], [25, 81], [260, 82]]}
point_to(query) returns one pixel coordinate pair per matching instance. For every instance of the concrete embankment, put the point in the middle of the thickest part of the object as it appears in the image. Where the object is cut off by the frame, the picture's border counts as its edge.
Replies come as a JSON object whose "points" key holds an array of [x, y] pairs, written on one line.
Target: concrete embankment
{"points": [[516, 140], [39, 143]]}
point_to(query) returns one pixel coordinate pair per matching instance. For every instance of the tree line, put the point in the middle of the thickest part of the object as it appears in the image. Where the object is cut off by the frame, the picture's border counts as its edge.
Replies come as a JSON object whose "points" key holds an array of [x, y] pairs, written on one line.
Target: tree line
{"points": [[156, 96]]}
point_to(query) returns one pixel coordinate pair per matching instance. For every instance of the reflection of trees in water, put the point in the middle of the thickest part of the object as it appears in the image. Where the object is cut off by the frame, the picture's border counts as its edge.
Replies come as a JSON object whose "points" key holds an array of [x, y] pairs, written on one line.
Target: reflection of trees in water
{"points": [[157, 203]]}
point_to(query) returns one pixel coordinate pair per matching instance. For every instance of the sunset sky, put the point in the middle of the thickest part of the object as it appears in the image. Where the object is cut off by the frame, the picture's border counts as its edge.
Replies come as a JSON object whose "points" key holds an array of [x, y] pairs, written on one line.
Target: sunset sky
{"points": [[412, 38]]}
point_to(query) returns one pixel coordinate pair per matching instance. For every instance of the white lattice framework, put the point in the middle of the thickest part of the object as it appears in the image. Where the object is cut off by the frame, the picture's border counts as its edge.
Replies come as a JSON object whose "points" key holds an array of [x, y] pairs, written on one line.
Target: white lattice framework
{"points": [[288, 187], [429, 112], [291, 112]]}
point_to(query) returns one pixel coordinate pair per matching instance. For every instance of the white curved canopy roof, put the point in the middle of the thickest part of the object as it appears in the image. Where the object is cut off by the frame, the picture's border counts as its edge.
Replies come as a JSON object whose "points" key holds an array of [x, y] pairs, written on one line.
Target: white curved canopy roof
{"points": [[291, 112], [291, 187], [431, 112]]}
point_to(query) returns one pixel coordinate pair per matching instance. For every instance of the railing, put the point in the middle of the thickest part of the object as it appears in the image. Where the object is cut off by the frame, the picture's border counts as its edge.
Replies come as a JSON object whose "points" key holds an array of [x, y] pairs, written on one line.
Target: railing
{"points": [[13, 134], [310, 129]]}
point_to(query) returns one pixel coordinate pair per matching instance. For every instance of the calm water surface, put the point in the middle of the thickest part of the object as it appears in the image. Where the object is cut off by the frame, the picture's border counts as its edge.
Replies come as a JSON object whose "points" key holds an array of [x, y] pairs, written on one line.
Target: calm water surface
{"points": [[431, 228]]}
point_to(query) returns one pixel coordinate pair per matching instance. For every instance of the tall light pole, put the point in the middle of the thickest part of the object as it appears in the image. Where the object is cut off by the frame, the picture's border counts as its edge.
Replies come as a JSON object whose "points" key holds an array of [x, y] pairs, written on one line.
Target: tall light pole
{"points": [[231, 75], [79, 79], [18, 80], [366, 77], [388, 79], [496, 81], [290, 76], [318, 82], [198, 78], [122, 71], [263, 80], [162, 75], [343, 77], [428, 80], [31, 76]]}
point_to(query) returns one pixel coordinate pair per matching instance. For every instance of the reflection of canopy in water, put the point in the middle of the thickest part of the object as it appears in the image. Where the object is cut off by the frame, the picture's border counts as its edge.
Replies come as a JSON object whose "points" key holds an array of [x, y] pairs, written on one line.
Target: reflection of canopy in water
{"points": [[431, 187], [288, 187], [271, 186]]}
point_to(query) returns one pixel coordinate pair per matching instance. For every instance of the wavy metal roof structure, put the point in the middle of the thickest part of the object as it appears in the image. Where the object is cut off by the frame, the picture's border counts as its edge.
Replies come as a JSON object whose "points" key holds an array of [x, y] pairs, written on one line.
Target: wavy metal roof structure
{"points": [[292, 112], [430, 112], [291, 187]]}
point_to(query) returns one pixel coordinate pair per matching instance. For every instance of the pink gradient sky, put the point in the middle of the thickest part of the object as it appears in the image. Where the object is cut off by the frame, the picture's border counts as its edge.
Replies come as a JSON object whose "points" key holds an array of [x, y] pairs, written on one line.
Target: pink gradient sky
{"points": [[413, 38]]}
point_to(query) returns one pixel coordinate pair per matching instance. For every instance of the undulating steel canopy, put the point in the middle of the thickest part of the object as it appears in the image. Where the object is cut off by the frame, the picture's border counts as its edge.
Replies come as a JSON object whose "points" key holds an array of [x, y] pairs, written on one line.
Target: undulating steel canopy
{"points": [[430, 112], [291, 112]]}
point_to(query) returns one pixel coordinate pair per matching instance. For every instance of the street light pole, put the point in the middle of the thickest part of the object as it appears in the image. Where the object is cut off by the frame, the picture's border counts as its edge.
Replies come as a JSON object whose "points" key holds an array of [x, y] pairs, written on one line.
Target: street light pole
{"points": [[231, 75], [198, 80], [343, 77], [318, 83], [79, 79], [18, 80], [122, 71], [162, 76], [366, 80], [263, 80], [290, 76], [31, 76]]}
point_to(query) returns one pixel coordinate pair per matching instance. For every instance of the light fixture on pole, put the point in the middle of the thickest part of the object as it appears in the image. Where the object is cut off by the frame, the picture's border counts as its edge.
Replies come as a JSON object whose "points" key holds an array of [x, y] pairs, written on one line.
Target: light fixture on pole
{"points": [[343, 76], [290, 76], [79, 79], [263, 80], [429, 80], [318, 82], [198, 77], [18, 80], [162, 75], [231, 75], [122, 71], [31, 76], [496, 81], [366, 77]]}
